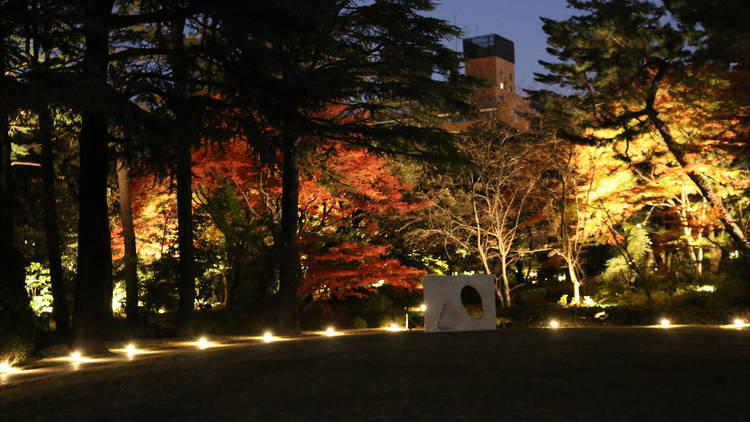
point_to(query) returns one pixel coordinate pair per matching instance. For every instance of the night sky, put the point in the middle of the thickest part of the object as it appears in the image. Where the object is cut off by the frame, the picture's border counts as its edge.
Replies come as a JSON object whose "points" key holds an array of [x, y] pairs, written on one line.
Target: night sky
{"points": [[517, 20]]}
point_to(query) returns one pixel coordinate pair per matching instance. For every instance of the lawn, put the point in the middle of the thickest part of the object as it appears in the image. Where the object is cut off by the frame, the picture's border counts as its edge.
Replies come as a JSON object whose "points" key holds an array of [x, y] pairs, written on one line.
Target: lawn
{"points": [[689, 373]]}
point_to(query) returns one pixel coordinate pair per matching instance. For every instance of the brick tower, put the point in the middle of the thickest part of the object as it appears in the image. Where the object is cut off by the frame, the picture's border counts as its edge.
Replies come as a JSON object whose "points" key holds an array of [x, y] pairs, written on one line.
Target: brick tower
{"points": [[491, 57]]}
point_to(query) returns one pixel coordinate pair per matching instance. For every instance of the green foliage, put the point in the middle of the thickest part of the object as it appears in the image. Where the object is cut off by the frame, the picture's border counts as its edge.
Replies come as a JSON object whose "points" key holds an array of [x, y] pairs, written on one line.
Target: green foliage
{"points": [[359, 323], [629, 268], [18, 334], [730, 291], [39, 288]]}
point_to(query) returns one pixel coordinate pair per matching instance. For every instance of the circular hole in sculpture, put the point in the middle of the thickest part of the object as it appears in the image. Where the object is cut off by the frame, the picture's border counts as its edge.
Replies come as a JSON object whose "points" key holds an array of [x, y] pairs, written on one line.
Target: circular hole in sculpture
{"points": [[472, 302]]}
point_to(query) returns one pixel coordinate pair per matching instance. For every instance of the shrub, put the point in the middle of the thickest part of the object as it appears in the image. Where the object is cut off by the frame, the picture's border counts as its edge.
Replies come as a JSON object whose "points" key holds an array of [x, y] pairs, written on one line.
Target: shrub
{"points": [[359, 323], [17, 330]]}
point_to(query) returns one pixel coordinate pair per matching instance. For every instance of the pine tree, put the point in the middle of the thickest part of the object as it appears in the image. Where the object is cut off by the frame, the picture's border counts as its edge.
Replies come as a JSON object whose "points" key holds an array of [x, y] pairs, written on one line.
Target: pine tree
{"points": [[374, 61], [621, 64]]}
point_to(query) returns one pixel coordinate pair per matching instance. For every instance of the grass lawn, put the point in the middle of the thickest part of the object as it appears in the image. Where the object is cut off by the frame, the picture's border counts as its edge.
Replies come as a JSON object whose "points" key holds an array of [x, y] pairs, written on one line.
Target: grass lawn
{"points": [[607, 374]]}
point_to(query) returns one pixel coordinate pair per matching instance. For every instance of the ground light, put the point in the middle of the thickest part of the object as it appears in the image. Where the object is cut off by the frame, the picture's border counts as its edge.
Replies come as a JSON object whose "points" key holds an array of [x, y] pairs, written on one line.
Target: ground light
{"points": [[665, 323], [131, 350], [7, 368], [423, 307], [268, 337], [203, 343], [393, 327], [330, 332], [76, 359], [554, 324], [739, 323]]}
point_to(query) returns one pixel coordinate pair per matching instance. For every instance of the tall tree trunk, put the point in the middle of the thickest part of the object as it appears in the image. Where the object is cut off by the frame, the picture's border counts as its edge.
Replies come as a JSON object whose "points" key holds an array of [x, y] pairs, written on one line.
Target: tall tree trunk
{"points": [[131, 257], [183, 137], [288, 318], [576, 283], [59, 292], [703, 184], [16, 318], [88, 330], [714, 251], [109, 285], [506, 285], [186, 276]]}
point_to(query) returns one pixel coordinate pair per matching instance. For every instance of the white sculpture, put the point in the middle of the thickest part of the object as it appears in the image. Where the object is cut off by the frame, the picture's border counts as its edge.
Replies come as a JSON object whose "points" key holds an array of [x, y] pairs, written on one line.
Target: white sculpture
{"points": [[445, 312]]}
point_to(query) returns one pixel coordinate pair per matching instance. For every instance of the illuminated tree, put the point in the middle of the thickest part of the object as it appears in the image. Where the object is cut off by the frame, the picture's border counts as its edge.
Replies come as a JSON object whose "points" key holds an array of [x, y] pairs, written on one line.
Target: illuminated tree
{"points": [[128, 237], [624, 67], [344, 245], [482, 209], [570, 210], [344, 224], [375, 61]]}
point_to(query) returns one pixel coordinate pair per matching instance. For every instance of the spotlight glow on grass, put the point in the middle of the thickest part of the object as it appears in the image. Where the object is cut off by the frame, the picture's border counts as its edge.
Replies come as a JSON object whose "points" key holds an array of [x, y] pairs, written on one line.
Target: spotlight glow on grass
{"points": [[554, 324], [739, 323], [76, 359], [268, 337], [7, 368], [394, 327], [330, 332], [131, 351], [665, 323], [203, 343]]}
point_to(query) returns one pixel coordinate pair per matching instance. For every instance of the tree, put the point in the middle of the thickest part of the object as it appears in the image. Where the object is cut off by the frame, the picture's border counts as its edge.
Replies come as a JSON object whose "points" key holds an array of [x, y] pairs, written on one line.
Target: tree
{"points": [[481, 209], [625, 67], [373, 61], [344, 233], [16, 319], [89, 312], [40, 35], [570, 206], [128, 235], [342, 238]]}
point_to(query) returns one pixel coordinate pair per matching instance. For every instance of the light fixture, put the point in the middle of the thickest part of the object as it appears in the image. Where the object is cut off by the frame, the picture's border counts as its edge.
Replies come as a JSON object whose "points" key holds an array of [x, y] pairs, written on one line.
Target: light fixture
{"points": [[554, 324], [394, 327], [7, 368], [131, 350], [330, 332], [423, 307], [268, 337], [739, 323], [203, 343], [665, 322]]}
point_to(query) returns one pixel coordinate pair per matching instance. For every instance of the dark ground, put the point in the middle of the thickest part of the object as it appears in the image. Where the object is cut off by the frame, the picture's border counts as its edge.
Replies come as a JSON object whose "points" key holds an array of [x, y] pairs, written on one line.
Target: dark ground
{"points": [[605, 374]]}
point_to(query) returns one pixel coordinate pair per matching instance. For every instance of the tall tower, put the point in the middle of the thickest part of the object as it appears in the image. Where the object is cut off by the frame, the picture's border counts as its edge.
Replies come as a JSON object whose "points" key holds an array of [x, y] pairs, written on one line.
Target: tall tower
{"points": [[491, 57]]}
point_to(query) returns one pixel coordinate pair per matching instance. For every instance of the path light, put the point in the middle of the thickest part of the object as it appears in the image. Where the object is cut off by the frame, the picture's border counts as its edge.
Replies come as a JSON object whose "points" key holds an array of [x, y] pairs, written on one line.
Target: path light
{"points": [[268, 337], [131, 350], [76, 359], [7, 368], [394, 327], [665, 323], [423, 307], [330, 332], [554, 324], [739, 323], [203, 343]]}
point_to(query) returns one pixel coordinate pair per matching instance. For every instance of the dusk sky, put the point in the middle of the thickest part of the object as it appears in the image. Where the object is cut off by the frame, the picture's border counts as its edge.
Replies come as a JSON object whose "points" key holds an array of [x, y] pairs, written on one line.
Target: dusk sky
{"points": [[517, 20]]}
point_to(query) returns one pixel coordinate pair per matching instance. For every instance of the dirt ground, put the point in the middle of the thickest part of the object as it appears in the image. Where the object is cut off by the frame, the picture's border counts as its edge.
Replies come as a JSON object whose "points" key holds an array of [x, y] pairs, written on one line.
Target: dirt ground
{"points": [[607, 374]]}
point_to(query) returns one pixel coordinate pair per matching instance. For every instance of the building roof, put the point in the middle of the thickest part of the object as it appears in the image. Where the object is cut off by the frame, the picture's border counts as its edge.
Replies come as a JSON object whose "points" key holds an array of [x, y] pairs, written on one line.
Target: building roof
{"points": [[489, 45]]}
